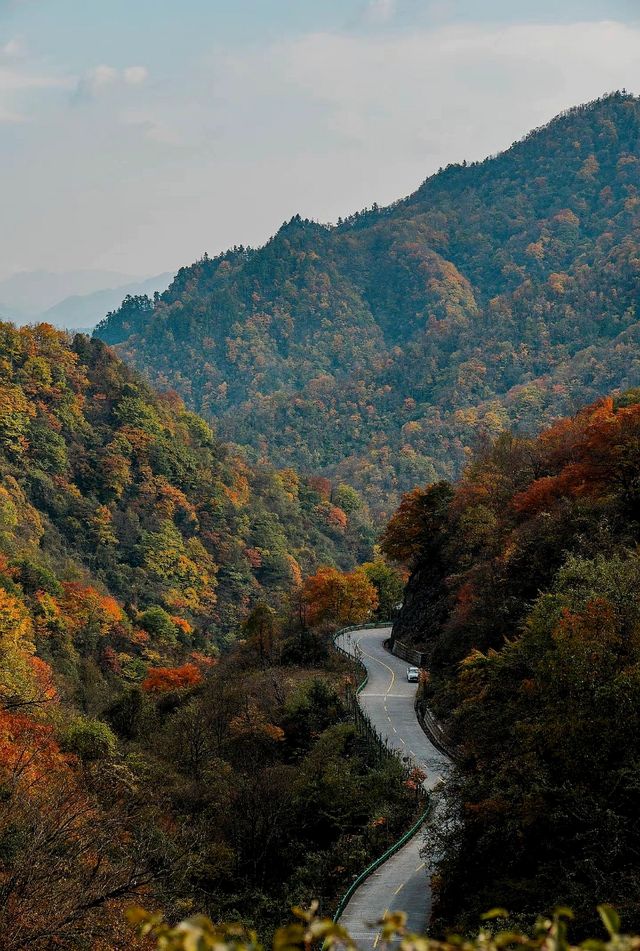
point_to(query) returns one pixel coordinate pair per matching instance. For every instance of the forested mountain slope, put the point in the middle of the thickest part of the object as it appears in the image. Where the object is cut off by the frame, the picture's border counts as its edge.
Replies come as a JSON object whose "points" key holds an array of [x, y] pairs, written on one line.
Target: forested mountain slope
{"points": [[135, 756], [525, 594], [104, 480], [501, 293]]}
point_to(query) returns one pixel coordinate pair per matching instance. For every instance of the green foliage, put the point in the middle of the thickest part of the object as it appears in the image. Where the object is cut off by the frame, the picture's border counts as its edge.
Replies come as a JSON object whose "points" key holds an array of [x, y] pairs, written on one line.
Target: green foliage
{"points": [[140, 493], [129, 713], [550, 933], [158, 623], [346, 498], [389, 584], [89, 739], [129, 319], [33, 577], [47, 448], [136, 412]]}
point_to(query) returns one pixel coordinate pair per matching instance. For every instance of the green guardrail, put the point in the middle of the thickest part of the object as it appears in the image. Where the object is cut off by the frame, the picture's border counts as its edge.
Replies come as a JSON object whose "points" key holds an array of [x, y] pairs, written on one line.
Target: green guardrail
{"points": [[363, 876], [358, 627]]}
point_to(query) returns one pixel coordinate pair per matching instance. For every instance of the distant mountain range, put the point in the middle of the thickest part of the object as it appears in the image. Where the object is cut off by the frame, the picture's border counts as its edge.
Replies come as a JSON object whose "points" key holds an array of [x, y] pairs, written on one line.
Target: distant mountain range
{"points": [[73, 299], [380, 350]]}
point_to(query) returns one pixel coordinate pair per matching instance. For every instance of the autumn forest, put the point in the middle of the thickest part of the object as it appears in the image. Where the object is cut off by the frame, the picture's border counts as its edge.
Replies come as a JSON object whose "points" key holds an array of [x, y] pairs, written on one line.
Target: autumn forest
{"points": [[427, 414]]}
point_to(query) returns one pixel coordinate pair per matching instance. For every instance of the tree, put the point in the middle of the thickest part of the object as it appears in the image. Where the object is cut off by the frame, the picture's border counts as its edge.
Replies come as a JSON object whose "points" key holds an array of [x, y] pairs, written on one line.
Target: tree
{"points": [[158, 624], [418, 528], [88, 739], [338, 598], [65, 869], [389, 583], [260, 630], [169, 679]]}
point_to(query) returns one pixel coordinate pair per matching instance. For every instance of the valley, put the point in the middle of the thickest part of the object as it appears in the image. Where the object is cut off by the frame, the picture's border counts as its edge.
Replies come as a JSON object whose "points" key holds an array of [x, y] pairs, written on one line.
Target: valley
{"points": [[420, 424]]}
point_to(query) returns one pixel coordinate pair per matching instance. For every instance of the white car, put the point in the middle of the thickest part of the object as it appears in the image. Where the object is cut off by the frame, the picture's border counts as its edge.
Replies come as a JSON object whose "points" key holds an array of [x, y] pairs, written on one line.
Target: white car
{"points": [[413, 674]]}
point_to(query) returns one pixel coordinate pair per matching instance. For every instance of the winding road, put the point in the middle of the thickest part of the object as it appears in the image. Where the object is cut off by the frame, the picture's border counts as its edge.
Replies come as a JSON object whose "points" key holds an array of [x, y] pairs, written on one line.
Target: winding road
{"points": [[401, 883]]}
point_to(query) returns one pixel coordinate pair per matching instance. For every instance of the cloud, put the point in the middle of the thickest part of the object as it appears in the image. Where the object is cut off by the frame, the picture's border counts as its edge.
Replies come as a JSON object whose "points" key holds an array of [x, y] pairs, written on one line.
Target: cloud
{"points": [[378, 12], [243, 137], [12, 49], [7, 117], [102, 77], [135, 75], [15, 82], [459, 90]]}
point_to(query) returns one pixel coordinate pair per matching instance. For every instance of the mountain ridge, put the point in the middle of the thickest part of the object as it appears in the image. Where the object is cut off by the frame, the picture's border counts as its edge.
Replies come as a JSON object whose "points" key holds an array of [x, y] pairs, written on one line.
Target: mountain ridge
{"points": [[83, 311], [380, 349]]}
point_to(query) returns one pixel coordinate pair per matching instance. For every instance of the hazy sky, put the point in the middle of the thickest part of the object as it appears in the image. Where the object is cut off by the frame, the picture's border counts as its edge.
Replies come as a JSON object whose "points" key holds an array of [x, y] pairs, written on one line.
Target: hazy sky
{"points": [[136, 134]]}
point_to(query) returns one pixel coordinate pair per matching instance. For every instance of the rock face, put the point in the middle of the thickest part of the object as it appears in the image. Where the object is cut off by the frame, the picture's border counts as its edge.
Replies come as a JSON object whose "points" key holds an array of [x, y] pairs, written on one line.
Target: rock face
{"points": [[424, 608]]}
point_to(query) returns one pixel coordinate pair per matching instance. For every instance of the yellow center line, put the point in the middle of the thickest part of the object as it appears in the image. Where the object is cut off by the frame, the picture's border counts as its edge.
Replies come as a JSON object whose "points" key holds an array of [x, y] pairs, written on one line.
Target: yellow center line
{"points": [[382, 664], [399, 888], [375, 943], [420, 867]]}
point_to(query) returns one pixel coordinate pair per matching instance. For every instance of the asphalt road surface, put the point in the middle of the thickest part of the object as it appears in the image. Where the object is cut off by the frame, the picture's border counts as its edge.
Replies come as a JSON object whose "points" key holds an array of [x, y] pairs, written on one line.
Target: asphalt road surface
{"points": [[401, 883]]}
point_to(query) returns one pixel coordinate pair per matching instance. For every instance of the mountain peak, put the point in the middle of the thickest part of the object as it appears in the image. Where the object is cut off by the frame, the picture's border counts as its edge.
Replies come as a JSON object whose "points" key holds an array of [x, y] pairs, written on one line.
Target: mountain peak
{"points": [[379, 349]]}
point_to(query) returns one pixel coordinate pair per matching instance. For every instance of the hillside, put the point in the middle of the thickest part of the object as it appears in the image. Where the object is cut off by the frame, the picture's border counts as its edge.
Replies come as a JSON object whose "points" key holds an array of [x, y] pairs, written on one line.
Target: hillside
{"points": [[381, 349], [139, 493], [172, 722], [524, 594]]}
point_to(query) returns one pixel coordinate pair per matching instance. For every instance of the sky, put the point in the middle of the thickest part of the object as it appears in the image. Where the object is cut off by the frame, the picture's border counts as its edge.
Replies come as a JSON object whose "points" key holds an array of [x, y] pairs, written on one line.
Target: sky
{"points": [[137, 134]]}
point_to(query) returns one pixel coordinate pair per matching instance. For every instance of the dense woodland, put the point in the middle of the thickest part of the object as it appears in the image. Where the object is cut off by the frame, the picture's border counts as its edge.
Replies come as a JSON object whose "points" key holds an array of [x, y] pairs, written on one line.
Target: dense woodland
{"points": [[174, 726], [524, 593], [149, 500], [172, 722], [500, 294]]}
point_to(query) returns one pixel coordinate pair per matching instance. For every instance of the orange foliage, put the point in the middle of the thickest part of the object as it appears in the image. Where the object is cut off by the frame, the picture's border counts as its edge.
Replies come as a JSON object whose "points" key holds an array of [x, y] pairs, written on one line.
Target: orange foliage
{"points": [[542, 494], [254, 557], [415, 779], [338, 598], [43, 677], [595, 452], [111, 660], [84, 605], [183, 625], [27, 748], [202, 660], [335, 516], [252, 724], [296, 573], [168, 679], [240, 492], [320, 485], [588, 635]]}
